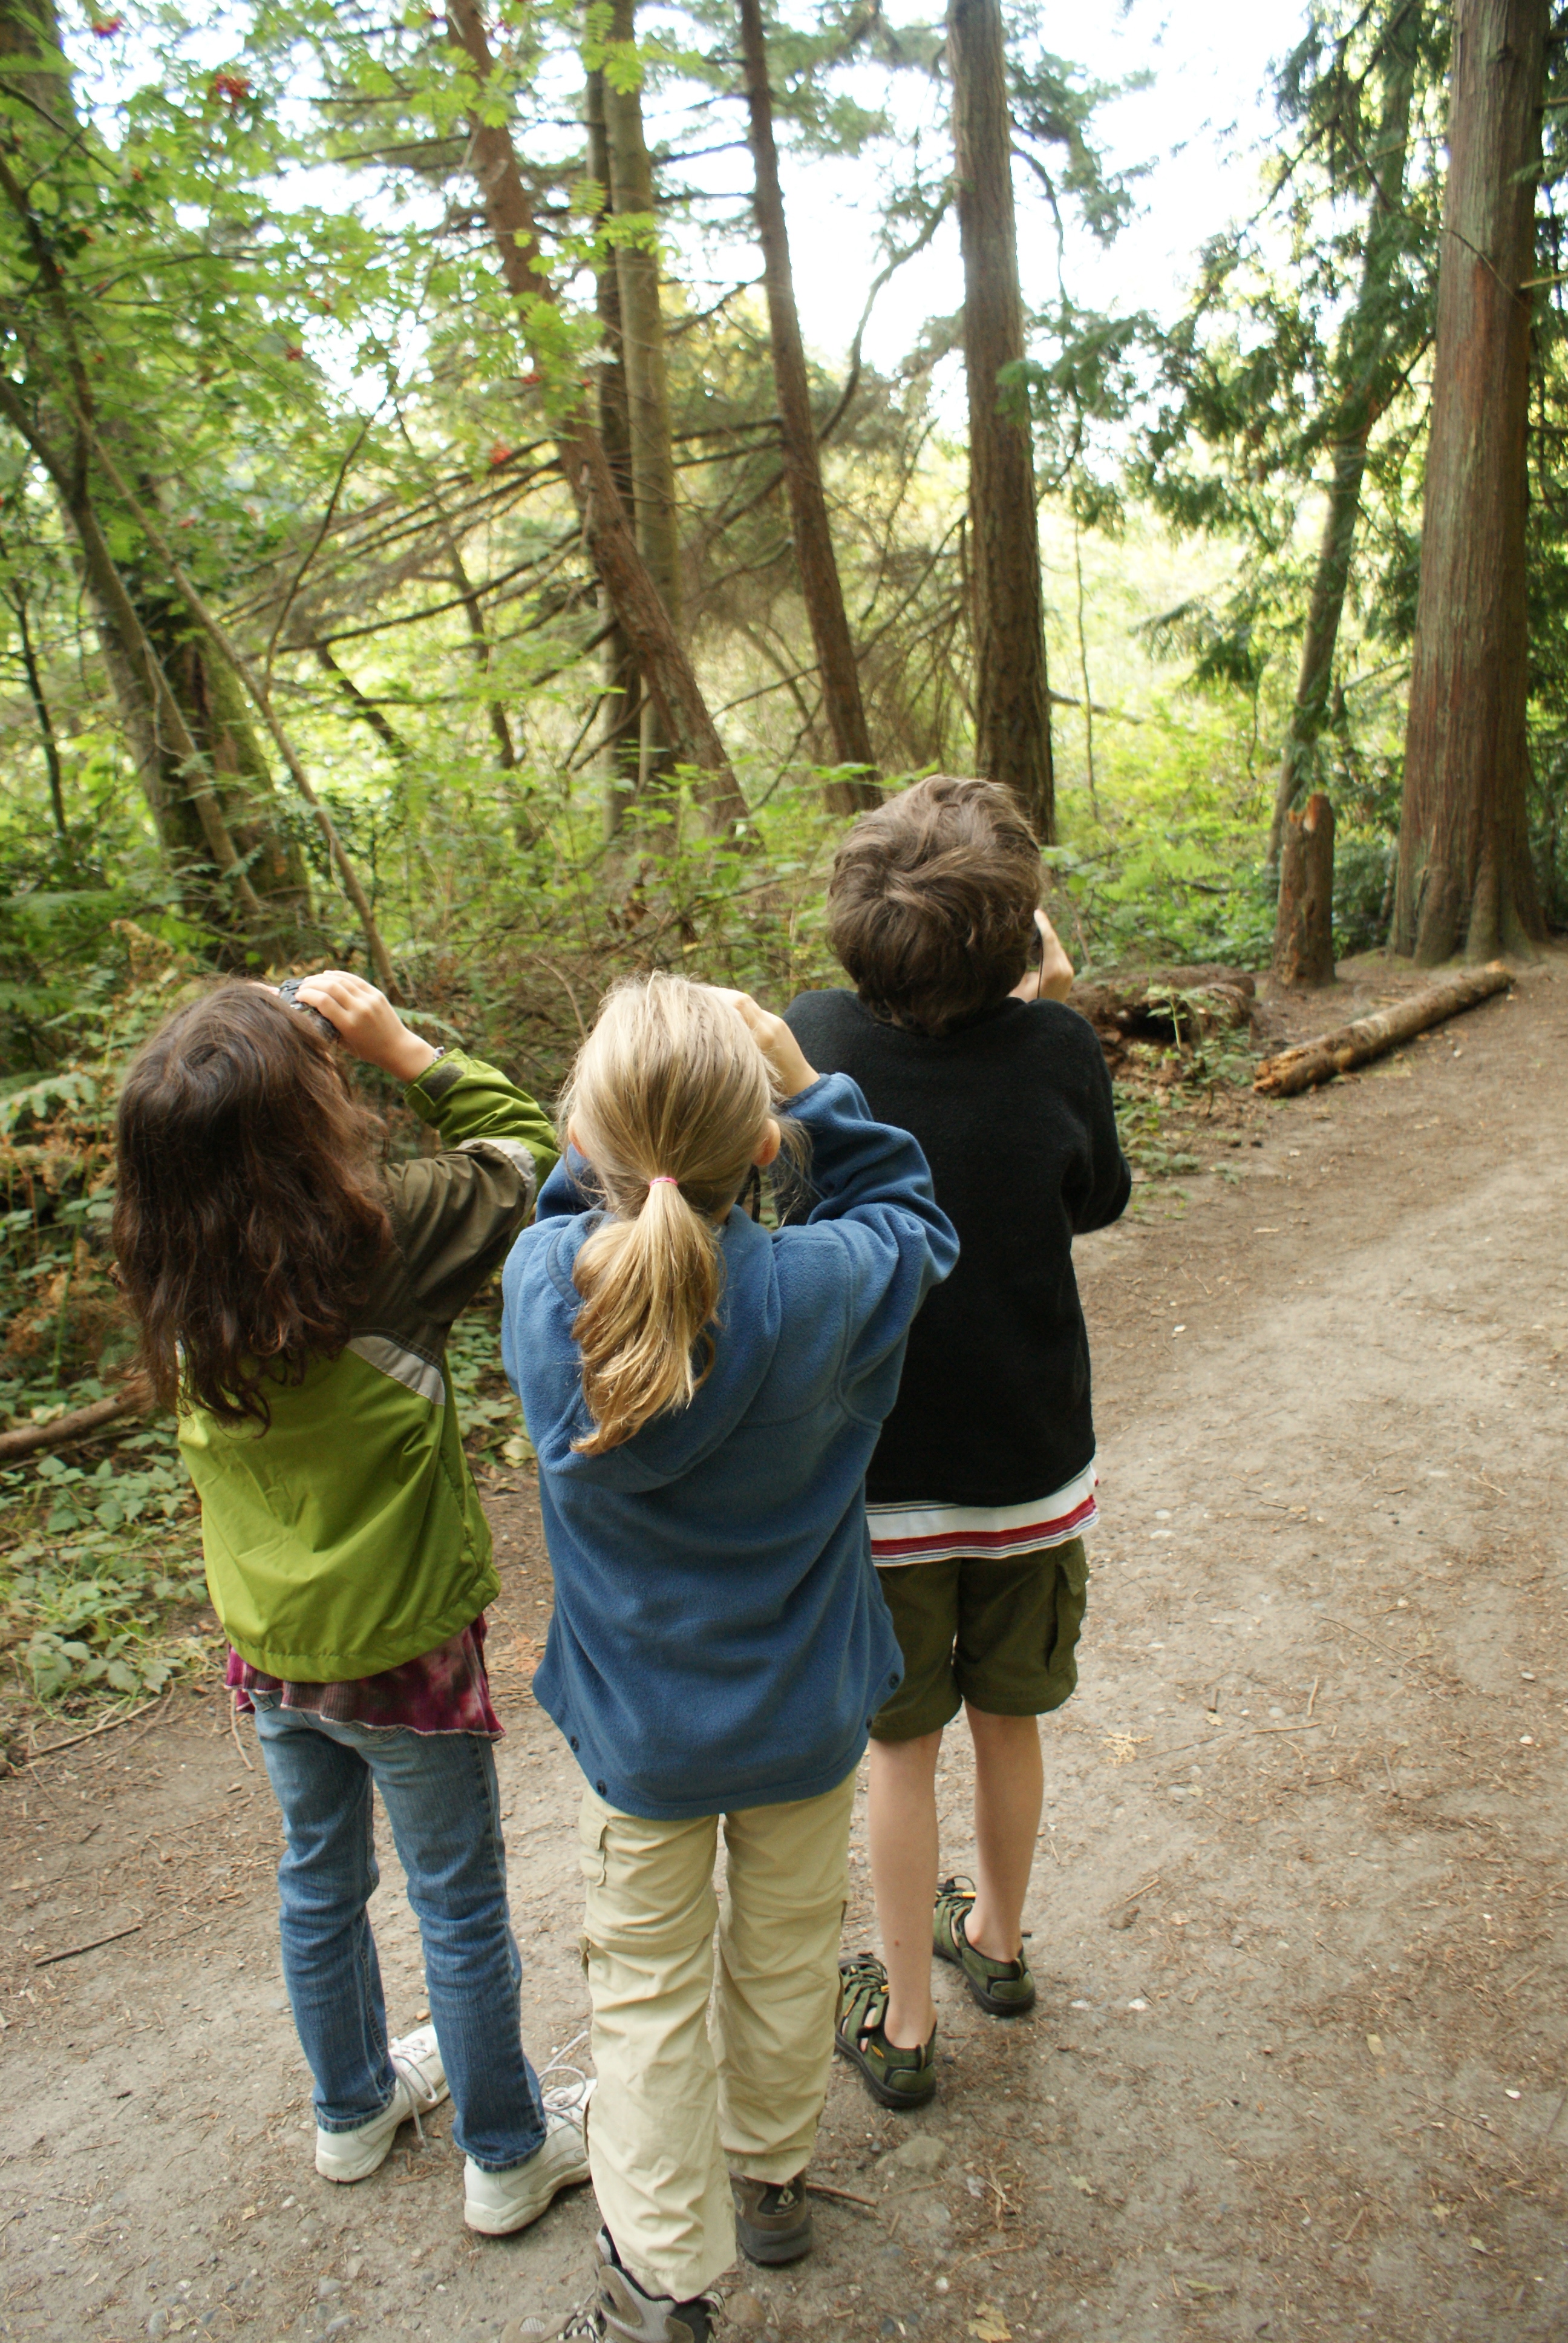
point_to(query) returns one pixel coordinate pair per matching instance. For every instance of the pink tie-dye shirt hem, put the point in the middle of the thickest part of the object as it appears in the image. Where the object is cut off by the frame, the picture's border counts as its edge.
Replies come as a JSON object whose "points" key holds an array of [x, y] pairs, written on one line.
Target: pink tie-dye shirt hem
{"points": [[446, 1691]]}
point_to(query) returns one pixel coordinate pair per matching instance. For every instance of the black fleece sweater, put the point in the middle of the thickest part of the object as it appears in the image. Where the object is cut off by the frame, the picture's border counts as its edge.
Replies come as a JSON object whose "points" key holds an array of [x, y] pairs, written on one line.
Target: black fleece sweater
{"points": [[1014, 1113]]}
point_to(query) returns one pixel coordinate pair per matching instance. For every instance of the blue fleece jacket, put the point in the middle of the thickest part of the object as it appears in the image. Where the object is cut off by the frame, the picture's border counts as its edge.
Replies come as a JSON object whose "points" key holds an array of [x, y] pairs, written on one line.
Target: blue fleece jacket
{"points": [[719, 1640]]}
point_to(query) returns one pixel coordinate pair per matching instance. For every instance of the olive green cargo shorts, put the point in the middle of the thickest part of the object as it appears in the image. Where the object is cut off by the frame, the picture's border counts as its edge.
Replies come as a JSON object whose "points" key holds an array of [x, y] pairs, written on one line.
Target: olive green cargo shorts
{"points": [[1001, 1635]]}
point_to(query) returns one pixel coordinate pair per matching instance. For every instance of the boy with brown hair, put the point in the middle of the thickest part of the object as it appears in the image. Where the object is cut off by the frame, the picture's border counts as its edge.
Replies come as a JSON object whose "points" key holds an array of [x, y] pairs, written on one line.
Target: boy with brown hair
{"points": [[982, 1483]]}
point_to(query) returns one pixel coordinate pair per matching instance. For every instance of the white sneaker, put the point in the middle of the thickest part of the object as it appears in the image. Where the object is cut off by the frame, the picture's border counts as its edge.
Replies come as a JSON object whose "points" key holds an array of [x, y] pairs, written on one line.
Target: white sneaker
{"points": [[496, 2203], [420, 2085]]}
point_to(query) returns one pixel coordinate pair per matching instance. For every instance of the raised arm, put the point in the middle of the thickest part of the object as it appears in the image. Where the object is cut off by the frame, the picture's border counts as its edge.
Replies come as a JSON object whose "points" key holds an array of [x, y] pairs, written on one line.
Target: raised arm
{"points": [[874, 1204], [456, 1212]]}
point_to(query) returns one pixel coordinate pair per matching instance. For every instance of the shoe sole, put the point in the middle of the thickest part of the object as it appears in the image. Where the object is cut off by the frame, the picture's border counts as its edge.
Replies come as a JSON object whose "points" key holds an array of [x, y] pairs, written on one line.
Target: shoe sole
{"points": [[768, 2250], [879, 2090], [988, 2001], [343, 2174], [496, 2226]]}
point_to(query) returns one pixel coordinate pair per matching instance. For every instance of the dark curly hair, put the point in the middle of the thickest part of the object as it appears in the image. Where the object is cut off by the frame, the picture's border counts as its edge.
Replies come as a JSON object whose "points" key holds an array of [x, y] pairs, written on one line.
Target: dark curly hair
{"points": [[931, 903], [248, 1210]]}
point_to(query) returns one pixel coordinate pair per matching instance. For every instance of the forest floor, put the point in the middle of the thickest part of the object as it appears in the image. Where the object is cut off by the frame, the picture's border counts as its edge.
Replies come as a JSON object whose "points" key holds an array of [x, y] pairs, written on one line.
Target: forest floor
{"points": [[1298, 2069]]}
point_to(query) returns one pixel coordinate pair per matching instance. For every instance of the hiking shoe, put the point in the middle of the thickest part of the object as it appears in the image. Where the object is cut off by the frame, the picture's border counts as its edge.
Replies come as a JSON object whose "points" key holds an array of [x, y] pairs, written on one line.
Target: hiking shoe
{"points": [[772, 2219], [498, 2203], [1005, 1988], [420, 2085], [894, 2077], [618, 2311]]}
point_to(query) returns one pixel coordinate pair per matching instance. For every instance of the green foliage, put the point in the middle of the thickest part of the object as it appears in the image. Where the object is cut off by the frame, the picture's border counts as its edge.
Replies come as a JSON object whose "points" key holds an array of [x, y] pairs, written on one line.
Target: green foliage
{"points": [[101, 1582]]}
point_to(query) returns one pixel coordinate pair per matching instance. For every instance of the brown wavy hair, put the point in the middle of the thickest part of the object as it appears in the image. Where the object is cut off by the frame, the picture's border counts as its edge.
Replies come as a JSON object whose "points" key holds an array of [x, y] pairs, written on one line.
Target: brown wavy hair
{"points": [[930, 906], [248, 1209]]}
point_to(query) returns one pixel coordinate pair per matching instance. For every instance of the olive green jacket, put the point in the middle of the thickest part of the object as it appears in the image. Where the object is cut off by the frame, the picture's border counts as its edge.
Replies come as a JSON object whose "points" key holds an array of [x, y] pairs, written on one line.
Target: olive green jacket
{"points": [[348, 1537]]}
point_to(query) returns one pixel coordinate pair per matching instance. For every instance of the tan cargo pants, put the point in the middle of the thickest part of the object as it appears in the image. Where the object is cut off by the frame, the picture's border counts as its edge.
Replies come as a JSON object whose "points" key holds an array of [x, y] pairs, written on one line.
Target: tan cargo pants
{"points": [[684, 2094]]}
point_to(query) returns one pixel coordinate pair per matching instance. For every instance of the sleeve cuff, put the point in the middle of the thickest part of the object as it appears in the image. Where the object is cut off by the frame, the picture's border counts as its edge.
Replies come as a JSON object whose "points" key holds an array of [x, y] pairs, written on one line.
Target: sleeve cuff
{"points": [[424, 1095]]}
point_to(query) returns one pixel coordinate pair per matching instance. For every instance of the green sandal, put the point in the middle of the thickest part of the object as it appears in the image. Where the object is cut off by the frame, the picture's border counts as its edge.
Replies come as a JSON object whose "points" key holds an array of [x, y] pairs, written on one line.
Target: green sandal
{"points": [[895, 2077], [1005, 1988]]}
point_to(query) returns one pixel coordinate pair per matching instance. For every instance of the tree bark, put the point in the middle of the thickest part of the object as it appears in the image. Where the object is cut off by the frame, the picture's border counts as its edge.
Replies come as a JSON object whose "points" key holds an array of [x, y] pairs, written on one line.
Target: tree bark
{"points": [[30, 31], [819, 582], [1013, 706], [1465, 880], [46, 735], [655, 518], [1319, 1060], [620, 754], [1304, 923], [668, 673], [1365, 340]]}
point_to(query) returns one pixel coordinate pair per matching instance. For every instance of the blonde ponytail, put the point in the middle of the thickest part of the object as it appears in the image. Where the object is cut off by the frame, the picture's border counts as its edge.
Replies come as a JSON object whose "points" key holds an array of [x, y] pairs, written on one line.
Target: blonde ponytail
{"points": [[669, 1100]]}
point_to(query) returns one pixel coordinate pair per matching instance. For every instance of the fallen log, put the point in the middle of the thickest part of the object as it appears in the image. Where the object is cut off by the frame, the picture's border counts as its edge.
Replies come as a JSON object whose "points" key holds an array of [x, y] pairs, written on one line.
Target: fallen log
{"points": [[1166, 1004], [1319, 1060], [78, 1425]]}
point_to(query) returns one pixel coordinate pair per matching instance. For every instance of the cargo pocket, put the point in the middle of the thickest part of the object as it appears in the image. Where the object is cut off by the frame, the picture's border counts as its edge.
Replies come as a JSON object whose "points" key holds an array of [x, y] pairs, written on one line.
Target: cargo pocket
{"points": [[593, 1856], [1071, 1602]]}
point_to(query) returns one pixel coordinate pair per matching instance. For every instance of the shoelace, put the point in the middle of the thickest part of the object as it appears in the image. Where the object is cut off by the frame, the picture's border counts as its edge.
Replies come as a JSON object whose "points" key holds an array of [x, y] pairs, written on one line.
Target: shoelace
{"points": [[583, 2321], [587, 2319], [865, 1969], [418, 2090], [569, 2096]]}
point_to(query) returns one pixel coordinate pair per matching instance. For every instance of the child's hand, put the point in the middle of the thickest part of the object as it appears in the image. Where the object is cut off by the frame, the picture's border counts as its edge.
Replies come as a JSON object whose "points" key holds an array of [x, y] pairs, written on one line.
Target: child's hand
{"points": [[785, 1061], [1053, 980], [367, 1025]]}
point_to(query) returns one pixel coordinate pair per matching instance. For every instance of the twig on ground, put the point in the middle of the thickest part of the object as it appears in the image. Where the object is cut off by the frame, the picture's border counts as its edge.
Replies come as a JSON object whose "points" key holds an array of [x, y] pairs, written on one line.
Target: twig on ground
{"points": [[1373, 1643], [77, 1423], [1136, 1892], [126, 1716], [841, 2196], [233, 1730], [47, 1960], [1312, 1701], [1234, 1733], [1012, 2246]]}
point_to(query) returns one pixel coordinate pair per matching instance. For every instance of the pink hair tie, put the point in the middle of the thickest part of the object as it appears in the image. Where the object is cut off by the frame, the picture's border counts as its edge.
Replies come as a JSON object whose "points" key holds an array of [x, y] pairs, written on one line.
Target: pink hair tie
{"points": [[664, 1180]]}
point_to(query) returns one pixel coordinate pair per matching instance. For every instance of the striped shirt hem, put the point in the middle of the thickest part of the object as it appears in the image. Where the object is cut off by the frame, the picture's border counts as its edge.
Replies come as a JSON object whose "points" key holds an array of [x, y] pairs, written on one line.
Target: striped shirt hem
{"points": [[908, 1533]]}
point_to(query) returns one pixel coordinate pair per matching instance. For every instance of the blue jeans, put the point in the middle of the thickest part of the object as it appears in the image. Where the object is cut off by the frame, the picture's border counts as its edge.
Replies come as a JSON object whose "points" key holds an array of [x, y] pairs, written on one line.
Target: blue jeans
{"points": [[440, 1795]]}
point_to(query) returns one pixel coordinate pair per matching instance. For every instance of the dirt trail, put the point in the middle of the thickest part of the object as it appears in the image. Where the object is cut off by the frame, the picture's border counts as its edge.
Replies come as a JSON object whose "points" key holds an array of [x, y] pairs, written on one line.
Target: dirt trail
{"points": [[1299, 2060]]}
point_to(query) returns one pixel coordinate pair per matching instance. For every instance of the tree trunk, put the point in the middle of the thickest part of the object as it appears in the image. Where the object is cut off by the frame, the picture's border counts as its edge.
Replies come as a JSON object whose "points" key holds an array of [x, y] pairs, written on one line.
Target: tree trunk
{"points": [[622, 678], [656, 520], [206, 780], [1465, 880], [29, 30], [819, 582], [45, 722], [1304, 925], [1359, 401], [666, 672], [1012, 707], [214, 705]]}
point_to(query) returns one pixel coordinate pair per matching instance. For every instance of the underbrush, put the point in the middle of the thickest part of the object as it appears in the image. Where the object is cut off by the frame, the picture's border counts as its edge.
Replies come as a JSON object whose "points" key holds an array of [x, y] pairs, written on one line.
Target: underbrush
{"points": [[1168, 1095]]}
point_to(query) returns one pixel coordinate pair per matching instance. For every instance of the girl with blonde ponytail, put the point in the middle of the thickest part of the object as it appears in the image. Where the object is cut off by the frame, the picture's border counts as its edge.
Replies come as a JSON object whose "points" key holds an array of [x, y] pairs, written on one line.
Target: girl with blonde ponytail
{"points": [[705, 1395], [670, 1102]]}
